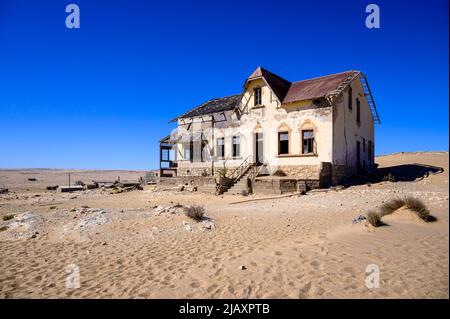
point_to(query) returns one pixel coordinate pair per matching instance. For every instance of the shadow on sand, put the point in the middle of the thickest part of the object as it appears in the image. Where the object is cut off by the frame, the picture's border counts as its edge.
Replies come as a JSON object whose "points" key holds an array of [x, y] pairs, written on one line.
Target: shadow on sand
{"points": [[398, 173]]}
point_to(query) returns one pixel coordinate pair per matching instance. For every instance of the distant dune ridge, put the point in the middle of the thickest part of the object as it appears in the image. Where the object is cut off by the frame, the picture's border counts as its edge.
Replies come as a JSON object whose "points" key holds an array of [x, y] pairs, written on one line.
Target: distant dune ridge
{"points": [[140, 244]]}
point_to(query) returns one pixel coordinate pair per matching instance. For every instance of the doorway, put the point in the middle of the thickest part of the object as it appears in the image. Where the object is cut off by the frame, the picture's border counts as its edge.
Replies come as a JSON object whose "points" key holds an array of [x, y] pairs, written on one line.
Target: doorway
{"points": [[259, 148]]}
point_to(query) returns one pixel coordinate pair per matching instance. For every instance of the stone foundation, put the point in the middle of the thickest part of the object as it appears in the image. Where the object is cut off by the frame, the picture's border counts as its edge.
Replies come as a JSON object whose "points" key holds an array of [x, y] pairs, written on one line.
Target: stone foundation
{"points": [[203, 184], [340, 174]]}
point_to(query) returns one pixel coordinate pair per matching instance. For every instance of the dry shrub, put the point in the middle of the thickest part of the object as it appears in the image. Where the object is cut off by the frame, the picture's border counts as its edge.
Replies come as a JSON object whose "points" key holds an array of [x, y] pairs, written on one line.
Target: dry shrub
{"points": [[374, 218], [7, 217], [195, 212], [390, 206], [417, 206], [3, 228]]}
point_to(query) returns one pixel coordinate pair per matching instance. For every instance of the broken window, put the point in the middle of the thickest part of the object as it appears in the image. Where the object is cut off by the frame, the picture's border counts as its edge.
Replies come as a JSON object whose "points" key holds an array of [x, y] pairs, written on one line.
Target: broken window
{"points": [[283, 143], [257, 96], [220, 147], [350, 98], [358, 111], [236, 141], [308, 141]]}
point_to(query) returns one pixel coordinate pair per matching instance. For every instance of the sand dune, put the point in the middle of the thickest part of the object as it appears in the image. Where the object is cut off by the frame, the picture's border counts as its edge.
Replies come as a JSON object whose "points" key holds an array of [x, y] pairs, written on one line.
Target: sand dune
{"points": [[294, 247]]}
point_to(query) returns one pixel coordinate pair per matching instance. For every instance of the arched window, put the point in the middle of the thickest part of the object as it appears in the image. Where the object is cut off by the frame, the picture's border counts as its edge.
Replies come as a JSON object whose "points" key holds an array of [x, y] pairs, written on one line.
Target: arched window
{"points": [[308, 134], [284, 133]]}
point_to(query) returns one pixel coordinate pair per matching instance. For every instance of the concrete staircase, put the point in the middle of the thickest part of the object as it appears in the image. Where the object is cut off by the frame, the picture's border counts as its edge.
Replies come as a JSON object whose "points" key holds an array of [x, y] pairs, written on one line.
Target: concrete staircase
{"points": [[240, 185]]}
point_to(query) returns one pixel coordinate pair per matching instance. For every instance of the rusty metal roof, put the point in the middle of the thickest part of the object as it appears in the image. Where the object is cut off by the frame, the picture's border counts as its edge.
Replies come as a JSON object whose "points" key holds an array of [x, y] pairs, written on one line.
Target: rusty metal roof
{"points": [[286, 91], [315, 88]]}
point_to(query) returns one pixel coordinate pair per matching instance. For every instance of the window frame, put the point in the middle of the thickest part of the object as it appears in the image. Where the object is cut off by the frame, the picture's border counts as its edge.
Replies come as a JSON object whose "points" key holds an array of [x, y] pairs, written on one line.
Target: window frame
{"points": [[312, 143], [236, 150], [358, 111], [286, 141], [221, 147], [257, 97], [350, 98]]}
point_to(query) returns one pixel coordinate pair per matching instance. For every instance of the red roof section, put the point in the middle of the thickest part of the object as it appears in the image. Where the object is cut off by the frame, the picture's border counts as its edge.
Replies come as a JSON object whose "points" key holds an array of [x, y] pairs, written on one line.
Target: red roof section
{"points": [[288, 92]]}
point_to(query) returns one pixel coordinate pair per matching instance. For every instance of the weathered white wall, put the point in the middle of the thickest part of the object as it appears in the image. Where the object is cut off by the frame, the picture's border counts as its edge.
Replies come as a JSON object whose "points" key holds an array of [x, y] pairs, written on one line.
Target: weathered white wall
{"points": [[268, 120], [346, 130]]}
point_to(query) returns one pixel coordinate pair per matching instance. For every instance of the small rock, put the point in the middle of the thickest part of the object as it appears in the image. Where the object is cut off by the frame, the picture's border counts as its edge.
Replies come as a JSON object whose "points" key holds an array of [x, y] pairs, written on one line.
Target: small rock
{"points": [[242, 267]]}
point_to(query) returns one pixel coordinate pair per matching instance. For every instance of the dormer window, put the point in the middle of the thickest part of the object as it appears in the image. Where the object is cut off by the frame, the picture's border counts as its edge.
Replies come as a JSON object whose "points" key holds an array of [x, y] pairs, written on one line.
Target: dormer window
{"points": [[257, 96]]}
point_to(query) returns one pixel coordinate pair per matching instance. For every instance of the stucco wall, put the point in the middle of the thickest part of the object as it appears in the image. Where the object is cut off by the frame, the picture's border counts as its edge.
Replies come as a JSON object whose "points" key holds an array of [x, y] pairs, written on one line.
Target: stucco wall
{"points": [[268, 119], [346, 130]]}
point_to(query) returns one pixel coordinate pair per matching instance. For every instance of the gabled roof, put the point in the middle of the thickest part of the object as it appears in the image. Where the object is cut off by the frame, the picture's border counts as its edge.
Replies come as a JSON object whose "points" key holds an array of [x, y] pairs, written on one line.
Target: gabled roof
{"points": [[278, 85], [316, 87], [286, 91], [216, 105]]}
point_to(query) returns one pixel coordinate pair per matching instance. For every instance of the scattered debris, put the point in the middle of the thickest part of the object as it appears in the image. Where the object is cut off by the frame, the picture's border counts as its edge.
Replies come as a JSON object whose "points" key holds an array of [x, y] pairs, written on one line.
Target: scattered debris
{"points": [[176, 209], [65, 189], [359, 218], [24, 226], [3, 190]]}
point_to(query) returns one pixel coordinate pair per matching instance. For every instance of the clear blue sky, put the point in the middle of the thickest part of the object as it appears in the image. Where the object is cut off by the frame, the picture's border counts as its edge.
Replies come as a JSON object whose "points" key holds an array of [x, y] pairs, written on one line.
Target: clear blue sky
{"points": [[101, 96]]}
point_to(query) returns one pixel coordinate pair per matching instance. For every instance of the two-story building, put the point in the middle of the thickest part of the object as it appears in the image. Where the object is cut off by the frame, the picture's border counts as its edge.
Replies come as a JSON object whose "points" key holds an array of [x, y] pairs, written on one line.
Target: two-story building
{"points": [[318, 130]]}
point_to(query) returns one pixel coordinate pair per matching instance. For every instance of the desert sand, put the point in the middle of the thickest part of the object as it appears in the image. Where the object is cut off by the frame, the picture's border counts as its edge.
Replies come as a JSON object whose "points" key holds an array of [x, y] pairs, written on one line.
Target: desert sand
{"points": [[127, 246]]}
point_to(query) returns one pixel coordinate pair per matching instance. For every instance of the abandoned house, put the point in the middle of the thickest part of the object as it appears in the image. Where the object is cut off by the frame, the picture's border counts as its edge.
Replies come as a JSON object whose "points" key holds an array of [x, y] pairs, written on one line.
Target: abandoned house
{"points": [[276, 136]]}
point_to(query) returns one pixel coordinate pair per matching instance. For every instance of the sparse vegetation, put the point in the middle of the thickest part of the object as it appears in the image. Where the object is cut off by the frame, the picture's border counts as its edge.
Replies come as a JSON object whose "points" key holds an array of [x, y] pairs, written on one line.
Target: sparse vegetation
{"points": [[388, 178], [7, 217], [3, 228], [374, 218], [390, 206], [279, 172], [412, 203], [417, 206], [222, 171], [195, 212]]}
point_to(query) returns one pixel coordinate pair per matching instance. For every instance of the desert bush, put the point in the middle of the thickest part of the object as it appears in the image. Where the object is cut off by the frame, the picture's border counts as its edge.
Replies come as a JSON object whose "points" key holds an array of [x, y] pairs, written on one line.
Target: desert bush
{"points": [[388, 178], [195, 212], [417, 206], [3, 228], [374, 218], [279, 172], [390, 206], [8, 217]]}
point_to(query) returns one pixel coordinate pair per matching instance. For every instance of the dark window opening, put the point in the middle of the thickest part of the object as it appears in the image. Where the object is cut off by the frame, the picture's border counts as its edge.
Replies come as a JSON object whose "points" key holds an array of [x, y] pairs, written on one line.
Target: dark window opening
{"points": [[358, 111], [236, 141], [350, 98], [257, 94], [220, 147], [369, 154], [283, 143], [364, 144], [308, 141]]}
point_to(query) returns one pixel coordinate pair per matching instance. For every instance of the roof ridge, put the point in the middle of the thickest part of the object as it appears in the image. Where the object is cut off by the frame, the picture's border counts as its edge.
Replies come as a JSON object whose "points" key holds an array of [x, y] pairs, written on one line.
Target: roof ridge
{"points": [[324, 76]]}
